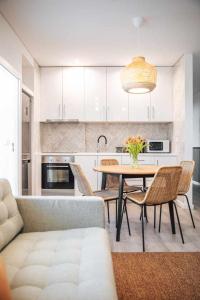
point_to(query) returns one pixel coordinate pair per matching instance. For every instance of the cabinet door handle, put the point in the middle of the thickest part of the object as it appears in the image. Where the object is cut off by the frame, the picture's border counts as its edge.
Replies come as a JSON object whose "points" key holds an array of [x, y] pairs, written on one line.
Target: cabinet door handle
{"points": [[153, 112], [63, 111], [148, 112]]}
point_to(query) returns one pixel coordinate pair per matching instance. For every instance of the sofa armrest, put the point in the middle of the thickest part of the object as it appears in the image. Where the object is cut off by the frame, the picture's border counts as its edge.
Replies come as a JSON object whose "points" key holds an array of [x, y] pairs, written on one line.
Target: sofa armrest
{"points": [[47, 213]]}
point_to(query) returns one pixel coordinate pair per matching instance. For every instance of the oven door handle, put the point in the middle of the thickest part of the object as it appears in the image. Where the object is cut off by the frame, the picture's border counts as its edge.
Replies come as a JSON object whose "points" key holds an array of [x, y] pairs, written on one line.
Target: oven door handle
{"points": [[61, 167]]}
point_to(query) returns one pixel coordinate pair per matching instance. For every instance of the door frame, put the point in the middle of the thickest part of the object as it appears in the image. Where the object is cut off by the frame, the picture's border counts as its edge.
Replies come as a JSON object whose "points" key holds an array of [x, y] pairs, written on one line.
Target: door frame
{"points": [[16, 74]]}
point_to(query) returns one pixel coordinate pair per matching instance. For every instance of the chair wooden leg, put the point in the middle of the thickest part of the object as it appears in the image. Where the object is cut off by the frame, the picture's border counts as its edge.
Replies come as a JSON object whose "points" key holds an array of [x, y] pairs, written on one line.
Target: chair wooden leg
{"points": [[154, 225], [179, 224], [108, 211], [190, 210], [127, 219], [160, 217], [142, 217]]}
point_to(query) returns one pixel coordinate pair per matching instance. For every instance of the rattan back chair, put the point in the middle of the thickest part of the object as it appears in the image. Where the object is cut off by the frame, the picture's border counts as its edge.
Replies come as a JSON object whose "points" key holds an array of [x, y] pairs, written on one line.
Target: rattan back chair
{"points": [[185, 182], [82, 181], [184, 185], [186, 176], [163, 189], [112, 182]]}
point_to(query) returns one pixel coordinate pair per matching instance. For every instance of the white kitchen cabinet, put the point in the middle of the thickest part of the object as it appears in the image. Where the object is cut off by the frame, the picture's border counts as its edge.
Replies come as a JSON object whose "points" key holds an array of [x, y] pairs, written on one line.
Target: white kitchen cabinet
{"points": [[161, 96], [167, 160], [73, 93], [117, 98], [139, 107], [157, 105], [100, 157], [143, 160], [95, 93], [51, 93], [87, 163]]}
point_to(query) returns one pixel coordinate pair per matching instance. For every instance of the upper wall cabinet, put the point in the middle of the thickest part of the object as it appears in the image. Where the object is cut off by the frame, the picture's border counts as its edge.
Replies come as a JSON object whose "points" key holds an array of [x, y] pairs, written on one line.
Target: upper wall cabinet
{"points": [[139, 108], [51, 93], [95, 93], [157, 105], [161, 97], [117, 98], [73, 93]]}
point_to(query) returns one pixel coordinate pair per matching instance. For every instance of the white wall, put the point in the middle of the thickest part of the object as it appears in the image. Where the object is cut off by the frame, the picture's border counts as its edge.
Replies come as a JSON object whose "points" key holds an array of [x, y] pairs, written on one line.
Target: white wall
{"points": [[183, 107], [183, 112], [11, 48], [12, 52], [196, 100]]}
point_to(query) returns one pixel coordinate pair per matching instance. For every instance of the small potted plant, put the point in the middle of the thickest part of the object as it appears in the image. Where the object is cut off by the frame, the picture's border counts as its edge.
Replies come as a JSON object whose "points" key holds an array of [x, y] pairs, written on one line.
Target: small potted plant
{"points": [[134, 145]]}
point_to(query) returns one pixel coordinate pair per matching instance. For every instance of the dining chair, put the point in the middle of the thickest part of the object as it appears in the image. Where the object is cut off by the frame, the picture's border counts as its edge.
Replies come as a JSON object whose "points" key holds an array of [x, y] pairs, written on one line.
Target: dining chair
{"points": [[112, 182], [86, 189], [184, 185], [163, 190]]}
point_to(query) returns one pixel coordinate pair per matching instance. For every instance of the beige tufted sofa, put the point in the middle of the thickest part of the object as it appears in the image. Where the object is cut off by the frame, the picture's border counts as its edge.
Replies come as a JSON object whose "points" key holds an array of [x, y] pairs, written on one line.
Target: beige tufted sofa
{"points": [[55, 248]]}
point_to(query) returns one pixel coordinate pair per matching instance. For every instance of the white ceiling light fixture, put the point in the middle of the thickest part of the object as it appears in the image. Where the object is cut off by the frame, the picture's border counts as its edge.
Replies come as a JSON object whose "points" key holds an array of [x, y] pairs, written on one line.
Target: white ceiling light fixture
{"points": [[138, 77]]}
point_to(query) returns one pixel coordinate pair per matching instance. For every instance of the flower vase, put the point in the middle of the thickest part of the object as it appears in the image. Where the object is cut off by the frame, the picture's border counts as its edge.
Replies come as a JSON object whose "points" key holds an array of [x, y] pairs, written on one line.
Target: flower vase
{"points": [[135, 162]]}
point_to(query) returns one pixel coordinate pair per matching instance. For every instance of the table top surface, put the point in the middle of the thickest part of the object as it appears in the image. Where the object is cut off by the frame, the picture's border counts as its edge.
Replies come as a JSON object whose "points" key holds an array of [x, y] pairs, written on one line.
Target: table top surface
{"points": [[129, 170]]}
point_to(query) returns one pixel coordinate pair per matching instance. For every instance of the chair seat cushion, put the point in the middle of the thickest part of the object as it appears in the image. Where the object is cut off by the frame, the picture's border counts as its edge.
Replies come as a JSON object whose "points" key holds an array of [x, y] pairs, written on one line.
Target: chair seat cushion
{"points": [[136, 197], [60, 265]]}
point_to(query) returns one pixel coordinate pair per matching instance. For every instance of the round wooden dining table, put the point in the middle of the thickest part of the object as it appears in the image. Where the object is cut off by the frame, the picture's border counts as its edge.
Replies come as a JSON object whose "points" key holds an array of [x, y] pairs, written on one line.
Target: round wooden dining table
{"points": [[125, 172]]}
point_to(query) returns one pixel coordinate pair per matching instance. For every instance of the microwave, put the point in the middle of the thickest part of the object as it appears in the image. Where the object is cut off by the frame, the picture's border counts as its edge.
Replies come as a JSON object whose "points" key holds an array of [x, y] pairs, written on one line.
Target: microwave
{"points": [[162, 146]]}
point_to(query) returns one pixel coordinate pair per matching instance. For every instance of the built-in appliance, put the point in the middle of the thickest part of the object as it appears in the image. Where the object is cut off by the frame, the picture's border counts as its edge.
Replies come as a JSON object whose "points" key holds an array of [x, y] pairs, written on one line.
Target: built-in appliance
{"points": [[57, 177], [26, 144], [158, 146]]}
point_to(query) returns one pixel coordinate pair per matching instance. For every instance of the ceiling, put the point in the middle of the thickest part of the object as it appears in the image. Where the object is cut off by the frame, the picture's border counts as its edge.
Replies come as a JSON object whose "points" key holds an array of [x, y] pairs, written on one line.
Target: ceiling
{"points": [[100, 32]]}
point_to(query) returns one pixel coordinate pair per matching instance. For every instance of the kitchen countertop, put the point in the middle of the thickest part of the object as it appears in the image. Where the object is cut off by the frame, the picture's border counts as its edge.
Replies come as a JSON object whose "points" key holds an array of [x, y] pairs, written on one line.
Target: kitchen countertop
{"points": [[103, 154]]}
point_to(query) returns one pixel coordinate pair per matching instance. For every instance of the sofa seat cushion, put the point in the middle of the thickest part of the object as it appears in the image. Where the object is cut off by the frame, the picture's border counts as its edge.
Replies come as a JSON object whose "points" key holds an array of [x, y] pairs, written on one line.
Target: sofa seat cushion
{"points": [[10, 219], [61, 265]]}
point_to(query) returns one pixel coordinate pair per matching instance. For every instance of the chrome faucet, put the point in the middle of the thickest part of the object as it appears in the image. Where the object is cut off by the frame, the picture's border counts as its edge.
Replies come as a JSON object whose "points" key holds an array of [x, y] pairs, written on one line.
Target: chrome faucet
{"points": [[98, 141]]}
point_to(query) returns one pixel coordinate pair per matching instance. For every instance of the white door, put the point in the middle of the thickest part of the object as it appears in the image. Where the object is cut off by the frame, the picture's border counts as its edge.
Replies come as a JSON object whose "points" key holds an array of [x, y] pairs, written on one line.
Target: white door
{"points": [[9, 107], [87, 163], [73, 93], [161, 96], [139, 107], [117, 98], [51, 93], [95, 93]]}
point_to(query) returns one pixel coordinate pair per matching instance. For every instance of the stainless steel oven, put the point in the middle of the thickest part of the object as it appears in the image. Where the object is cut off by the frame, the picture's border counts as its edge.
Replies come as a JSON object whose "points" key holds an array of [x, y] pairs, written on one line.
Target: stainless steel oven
{"points": [[57, 174]]}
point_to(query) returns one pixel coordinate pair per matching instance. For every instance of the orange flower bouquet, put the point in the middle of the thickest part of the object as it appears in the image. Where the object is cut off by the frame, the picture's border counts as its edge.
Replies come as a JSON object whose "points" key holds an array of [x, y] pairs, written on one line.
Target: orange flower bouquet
{"points": [[134, 145]]}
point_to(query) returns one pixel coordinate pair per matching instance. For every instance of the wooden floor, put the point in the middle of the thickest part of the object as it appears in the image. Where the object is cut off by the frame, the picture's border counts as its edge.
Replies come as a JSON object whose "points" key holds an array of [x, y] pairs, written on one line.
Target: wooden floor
{"points": [[155, 241]]}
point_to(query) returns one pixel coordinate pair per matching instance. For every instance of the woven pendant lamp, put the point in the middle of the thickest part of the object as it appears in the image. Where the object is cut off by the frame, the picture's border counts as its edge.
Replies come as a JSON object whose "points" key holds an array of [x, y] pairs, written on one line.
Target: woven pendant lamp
{"points": [[139, 76]]}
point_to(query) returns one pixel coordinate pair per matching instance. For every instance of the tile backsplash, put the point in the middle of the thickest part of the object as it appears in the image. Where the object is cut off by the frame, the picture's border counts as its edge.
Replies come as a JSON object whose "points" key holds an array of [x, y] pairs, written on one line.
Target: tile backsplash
{"points": [[82, 137]]}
